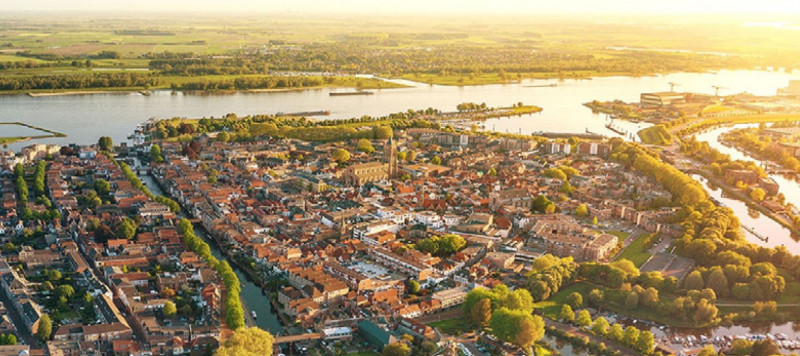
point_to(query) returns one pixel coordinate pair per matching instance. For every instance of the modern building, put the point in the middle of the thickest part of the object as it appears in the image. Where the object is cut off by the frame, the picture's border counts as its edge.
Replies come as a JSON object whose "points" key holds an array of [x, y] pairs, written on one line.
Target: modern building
{"points": [[661, 99], [375, 335]]}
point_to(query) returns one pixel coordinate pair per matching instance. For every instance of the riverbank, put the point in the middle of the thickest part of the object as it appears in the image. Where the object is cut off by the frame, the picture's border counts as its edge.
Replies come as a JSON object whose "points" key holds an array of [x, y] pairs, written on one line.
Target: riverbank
{"points": [[220, 84], [745, 198], [15, 139]]}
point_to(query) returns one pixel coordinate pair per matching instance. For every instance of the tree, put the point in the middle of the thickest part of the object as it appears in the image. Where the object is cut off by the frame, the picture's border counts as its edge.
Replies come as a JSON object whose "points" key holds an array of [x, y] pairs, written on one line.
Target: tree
{"points": [[223, 137], [708, 350], [541, 204], [529, 331], [765, 348], [102, 187], [646, 342], [517, 326], [413, 287], [247, 342], [582, 210], [575, 300], [105, 143], [741, 347], [566, 314], [365, 146], [631, 336], [341, 155], [45, 328], [65, 290], [596, 298], [427, 348], [632, 301], [155, 153], [436, 160], [382, 132], [411, 155], [694, 281], [718, 282], [600, 326], [126, 229], [482, 312], [169, 309], [397, 349], [758, 194], [616, 333], [583, 318]]}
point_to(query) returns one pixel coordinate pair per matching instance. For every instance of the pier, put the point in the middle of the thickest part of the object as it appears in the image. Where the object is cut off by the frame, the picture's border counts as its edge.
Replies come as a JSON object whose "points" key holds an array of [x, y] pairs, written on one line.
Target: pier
{"points": [[756, 234]]}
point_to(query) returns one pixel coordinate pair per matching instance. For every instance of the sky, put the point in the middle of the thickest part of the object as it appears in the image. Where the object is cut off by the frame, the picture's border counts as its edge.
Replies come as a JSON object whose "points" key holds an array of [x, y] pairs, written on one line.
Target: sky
{"points": [[426, 7]]}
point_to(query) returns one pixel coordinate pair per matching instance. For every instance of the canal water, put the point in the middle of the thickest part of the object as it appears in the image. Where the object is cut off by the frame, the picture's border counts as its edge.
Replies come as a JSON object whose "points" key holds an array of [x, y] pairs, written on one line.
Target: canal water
{"points": [[251, 293], [778, 235]]}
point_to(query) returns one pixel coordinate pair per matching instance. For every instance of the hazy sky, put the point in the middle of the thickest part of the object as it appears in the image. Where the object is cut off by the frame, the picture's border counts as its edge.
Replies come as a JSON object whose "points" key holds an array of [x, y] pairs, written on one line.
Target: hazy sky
{"points": [[783, 7]]}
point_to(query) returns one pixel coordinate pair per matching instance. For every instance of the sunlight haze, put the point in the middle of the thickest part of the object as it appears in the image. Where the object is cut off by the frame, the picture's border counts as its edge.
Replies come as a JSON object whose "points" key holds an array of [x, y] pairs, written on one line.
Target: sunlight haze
{"points": [[418, 6]]}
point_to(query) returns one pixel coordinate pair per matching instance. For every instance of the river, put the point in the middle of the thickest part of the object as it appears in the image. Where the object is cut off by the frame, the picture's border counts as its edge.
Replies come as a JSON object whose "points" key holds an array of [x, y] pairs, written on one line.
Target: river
{"points": [[251, 293], [86, 117]]}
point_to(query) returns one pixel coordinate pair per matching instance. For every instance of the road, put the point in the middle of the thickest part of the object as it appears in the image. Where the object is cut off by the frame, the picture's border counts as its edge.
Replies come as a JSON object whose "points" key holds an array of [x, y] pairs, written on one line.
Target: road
{"points": [[22, 333]]}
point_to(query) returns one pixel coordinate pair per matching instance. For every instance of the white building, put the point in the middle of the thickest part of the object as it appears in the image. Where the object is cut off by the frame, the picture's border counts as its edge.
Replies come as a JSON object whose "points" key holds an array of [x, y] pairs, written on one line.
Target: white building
{"points": [[429, 219]]}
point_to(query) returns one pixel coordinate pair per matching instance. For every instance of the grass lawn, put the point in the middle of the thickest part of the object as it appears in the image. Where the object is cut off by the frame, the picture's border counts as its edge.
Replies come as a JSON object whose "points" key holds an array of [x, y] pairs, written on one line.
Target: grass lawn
{"points": [[455, 326], [791, 295], [551, 307], [621, 235], [637, 251]]}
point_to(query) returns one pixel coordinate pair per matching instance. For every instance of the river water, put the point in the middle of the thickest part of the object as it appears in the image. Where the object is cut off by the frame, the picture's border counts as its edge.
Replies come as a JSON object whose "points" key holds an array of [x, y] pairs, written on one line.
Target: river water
{"points": [[86, 117]]}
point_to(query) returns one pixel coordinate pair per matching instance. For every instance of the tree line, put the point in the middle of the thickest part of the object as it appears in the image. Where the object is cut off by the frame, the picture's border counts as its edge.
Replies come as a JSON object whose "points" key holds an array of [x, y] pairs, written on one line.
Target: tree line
{"points": [[78, 81]]}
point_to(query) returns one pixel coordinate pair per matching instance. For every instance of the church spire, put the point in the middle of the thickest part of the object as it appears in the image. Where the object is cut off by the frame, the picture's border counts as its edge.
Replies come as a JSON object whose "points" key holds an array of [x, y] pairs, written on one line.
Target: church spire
{"points": [[390, 158]]}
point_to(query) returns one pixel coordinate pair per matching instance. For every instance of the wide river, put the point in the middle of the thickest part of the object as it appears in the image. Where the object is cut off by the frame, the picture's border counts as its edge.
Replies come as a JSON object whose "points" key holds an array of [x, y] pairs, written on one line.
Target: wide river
{"points": [[86, 117]]}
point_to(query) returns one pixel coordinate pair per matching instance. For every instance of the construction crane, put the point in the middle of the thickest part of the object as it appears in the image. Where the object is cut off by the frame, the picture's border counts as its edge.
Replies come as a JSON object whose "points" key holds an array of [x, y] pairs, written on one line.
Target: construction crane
{"points": [[672, 86], [716, 89]]}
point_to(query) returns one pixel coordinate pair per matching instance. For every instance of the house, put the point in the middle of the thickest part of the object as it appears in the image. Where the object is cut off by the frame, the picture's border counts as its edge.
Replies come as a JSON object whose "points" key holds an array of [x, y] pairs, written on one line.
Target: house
{"points": [[375, 335], [451, 297]]}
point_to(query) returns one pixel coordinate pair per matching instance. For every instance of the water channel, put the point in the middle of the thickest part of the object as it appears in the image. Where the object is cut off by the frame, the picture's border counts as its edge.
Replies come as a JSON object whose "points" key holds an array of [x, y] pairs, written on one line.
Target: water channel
{"points": [[251, 294]]}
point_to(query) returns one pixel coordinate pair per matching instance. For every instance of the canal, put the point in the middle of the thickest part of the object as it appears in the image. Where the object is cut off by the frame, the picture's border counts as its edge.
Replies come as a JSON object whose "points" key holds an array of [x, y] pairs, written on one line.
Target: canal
{"points": [[778, 234], [252, 296]]}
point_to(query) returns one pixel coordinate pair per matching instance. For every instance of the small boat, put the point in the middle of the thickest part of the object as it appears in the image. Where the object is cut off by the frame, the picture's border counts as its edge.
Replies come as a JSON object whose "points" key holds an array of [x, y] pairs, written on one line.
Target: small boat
{"points": [[253, 314]]}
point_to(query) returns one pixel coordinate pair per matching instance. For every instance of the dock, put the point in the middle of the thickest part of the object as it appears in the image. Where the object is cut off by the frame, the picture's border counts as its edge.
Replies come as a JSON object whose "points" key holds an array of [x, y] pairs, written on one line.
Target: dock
{"points": [[344, 93], [306, 113], [756, 234]]}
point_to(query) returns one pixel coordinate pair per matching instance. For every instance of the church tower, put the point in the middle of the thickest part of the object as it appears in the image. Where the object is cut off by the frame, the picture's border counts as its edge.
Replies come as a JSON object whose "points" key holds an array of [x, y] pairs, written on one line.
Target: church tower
{"points": [[390, 158]]}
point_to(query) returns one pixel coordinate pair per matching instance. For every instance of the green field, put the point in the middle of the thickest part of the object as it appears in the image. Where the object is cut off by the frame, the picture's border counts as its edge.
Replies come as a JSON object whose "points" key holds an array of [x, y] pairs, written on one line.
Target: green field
{"points": [[552, 306], [656, 135], [449, 51], [637, 251], [455, 326]]}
